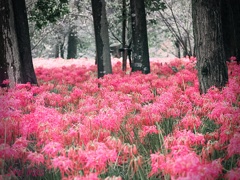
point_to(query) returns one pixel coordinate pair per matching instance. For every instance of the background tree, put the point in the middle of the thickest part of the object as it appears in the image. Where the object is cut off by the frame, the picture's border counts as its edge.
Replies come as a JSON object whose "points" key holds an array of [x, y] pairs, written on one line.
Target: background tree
{"points": [[179, 23], [160, 38], [48, 11], [44, 18], [22, 29], [15, 52], [74, 22], [124, 30], [208, 36], [101, 37], [72, 46], [140, 53], [72, 43], [231, 27], [119, 17]]}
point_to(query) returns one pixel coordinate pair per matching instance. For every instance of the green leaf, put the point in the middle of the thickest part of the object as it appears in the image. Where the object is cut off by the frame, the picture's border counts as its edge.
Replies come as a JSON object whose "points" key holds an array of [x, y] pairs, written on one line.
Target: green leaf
{"points": [[48, 11]]}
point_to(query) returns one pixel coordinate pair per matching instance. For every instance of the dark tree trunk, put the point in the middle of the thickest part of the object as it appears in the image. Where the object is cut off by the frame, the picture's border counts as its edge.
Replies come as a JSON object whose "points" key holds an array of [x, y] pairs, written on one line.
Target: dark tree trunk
{"points": [[185, 47], [101, 37], [62, 50], [124, 26], [72, 44], [10, 66], [140, 54], [208, 37], [178, 51], [231, 27], [22, 29], [56, 54]]}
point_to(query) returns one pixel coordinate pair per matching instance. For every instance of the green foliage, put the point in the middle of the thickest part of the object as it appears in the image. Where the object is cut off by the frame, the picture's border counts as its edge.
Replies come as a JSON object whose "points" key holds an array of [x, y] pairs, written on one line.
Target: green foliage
{"points": [[208, 126], [230, 163], [154, 5], [48, 11]]}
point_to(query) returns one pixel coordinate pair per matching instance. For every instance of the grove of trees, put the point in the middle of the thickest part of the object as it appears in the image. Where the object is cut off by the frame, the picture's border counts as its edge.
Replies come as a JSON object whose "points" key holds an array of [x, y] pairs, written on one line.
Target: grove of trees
{"points": [[213, 24]]}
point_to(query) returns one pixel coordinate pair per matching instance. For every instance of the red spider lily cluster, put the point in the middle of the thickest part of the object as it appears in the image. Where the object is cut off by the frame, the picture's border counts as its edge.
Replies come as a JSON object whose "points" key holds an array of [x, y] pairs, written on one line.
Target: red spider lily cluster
{"points": [[81, 126]]}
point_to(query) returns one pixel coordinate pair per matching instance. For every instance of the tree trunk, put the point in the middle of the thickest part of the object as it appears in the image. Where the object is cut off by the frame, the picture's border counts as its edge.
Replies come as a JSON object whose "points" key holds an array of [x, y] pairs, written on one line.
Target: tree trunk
{"points": [[177, 47], [211, 60], [101, 37], [185, 46], [62, 50], [10, 67], [140, 54], [22, 29], [124, 26], [56, 54], [231, 27], [72, 44]]}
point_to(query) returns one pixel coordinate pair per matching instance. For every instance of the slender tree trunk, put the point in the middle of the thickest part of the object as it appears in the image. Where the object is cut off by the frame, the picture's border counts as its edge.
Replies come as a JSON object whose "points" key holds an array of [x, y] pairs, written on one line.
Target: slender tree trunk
{"points": [[178, 51], [62, 50], [101, 37], [22, 29], [56, 55], [9, 53], [72, 44], [211, 60], [124, 26], [140, 54], [185, 47]]}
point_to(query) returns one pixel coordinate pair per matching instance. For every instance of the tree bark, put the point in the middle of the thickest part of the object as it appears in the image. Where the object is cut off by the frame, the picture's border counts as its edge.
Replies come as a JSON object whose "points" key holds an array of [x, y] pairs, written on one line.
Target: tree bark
{"points": [[62, 50], [22, 30], [208, 37], [140, 53], [72, 44], [124, 26], [231, 27], [177, 46], [10, 67], [56, 54], [101, 37]]}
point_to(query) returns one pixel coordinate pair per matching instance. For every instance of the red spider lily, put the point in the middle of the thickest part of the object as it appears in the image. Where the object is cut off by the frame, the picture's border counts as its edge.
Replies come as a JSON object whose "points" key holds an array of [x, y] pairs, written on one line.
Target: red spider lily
{"points": [[35, 158], [64, 164], [233, 174], [234, 145], [76, 123], [53, 149]]}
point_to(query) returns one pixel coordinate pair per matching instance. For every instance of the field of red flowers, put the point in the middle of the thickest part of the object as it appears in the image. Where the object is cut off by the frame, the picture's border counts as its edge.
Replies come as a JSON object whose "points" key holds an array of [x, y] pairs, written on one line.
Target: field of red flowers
{"points": [[123, 126]]}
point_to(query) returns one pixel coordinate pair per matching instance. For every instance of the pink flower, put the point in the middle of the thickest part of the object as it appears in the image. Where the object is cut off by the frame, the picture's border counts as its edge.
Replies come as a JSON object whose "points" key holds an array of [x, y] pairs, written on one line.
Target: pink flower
{"points": [[157, 163], [191, 122], [35, 158], [233, 174], [91, 176], [96, 156], [234, 145], [52, 149], [192, 59], [6, 82], [182, 163], [233, 58], [62, 163], [20, 146], [7, 153], [148, 130], [184, 137]]}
